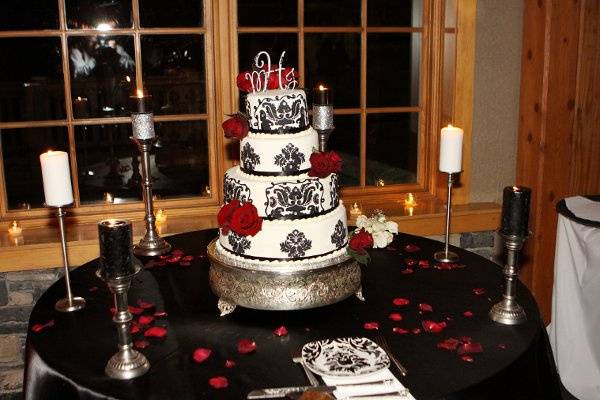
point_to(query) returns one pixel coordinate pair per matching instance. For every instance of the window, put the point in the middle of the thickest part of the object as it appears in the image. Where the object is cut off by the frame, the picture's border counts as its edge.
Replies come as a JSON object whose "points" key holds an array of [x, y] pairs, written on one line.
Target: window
{"points": [[69, 67]]}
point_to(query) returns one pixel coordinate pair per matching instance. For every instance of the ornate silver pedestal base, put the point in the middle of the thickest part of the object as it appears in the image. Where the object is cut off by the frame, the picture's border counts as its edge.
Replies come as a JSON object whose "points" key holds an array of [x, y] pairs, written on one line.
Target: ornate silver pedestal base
{"points": [[442, 256], [151, 247], [307, 286], [127, 364], [66, 305], [508, 312]]}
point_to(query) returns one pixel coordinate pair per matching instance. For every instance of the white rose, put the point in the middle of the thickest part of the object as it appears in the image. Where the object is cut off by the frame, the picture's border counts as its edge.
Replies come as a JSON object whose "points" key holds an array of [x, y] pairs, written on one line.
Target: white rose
{"points": [[382, 239], [379, 226], [362, 221], [391, 226], [380, 217]]}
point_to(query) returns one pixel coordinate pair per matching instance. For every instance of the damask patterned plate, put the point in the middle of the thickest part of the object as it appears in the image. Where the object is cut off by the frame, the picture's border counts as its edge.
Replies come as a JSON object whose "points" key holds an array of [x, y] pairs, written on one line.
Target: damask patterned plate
{"points": [[344, 356]]}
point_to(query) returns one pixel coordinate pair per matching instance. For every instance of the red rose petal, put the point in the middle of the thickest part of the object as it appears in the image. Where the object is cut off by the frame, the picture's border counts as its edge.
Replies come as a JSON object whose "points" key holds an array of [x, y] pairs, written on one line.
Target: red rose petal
{"points": [[134, 328], [281, 331], [229, 364], [410, 262], [407, 271], [161, 264], [161, 314], [163, 257], [432, 326], [201, 354], [467, 358], [416, 331], [465, 339], [399, 301], [145, 320], [450, 344], [424, 264], [400, 331], [144, 304], [135, 310], [36, 328], [177, 252], [187, 258], [156, 332], [395, 316], [93, 289], [449, 318], [469, 348], [185, 263], [218, 382], [479, 291], [502, 346], [468, 314], [411, 248], [174, 259], [371, 326], [141, 344], [246, 346], [425, 307]]}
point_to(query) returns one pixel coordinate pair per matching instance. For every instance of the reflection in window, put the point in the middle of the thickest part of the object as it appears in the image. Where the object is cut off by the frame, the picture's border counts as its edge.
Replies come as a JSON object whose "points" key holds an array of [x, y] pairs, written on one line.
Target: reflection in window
{"points": [[98, 14], [28, 14], [102, 74], [161, 13], [21, 149], [345, 140]]}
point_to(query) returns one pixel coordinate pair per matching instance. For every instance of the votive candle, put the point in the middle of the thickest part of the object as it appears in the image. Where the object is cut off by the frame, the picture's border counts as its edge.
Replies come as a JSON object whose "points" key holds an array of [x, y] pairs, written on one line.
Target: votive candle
{"points": [[451, 149], [56, 175], [515, 210]]}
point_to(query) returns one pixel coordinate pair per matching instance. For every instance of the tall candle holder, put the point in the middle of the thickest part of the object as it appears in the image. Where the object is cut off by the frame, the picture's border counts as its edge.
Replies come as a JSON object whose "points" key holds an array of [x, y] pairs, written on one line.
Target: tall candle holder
{"points": [[508, 311], [152, 244], [70, 303], [446, 255], [322, 116]]}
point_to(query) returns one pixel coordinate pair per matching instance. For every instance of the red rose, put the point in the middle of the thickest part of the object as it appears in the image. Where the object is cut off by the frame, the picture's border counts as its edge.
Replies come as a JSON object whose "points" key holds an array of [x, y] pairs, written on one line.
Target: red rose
{"points": [[243, 82], [323, 164], [245, 220], [361, 241], [273, 81], [236, 127], [224, 216]]}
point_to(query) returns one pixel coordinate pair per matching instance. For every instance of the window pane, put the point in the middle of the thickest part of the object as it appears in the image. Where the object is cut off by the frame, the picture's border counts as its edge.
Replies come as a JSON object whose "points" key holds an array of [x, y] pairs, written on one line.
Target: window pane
{"points": [[393, 62], [171, 13], [28, 14], [345, 140], [98, 14], [267, 13], [21, 149], [405, 13], [31, 82], [108, 162], [102, 75], [173, 68], [334, 59], [332, 12], [392, 147]]}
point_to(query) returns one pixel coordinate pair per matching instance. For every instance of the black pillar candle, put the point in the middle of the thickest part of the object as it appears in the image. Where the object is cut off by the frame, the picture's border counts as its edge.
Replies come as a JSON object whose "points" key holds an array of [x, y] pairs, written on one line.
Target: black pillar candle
{"points": [[116, 248], [515, 211], [321, 96], [141, 103]]}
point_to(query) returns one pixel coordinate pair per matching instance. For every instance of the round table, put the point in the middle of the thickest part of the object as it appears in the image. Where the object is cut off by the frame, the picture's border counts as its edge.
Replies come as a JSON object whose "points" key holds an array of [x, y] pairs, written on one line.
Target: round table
{"points": [[66, 360]]}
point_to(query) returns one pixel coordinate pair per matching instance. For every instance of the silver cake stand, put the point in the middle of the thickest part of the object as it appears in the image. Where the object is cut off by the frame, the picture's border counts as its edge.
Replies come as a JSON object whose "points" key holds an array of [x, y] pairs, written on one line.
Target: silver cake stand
{"points": [[311, 285]]}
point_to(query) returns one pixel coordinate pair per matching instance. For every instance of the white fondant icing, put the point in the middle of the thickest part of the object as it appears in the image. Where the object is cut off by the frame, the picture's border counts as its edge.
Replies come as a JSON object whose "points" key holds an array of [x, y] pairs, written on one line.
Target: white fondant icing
{"points": [[298, 196], [276, 153], [292, 239], [273, 110]]}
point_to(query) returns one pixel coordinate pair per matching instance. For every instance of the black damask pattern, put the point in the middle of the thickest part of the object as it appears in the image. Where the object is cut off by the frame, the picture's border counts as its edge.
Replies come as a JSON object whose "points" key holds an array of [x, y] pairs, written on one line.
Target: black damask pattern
{"points": [[290, 159], [280, 112], [295, 244], [249, 158], [335, 191], [234, 189], [239, 244], [338, 238], [298, 199]]}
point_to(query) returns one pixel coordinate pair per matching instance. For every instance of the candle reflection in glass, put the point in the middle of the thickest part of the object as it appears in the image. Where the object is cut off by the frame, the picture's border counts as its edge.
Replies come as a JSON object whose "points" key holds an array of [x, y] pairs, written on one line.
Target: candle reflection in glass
{"points": [[410, 200], [15, 229], [355, 210], [108, 198]]}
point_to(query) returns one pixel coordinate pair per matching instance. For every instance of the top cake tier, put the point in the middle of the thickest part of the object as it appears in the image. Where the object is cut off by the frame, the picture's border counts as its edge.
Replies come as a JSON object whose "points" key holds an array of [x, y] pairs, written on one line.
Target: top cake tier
{"points": [[277, 111]]}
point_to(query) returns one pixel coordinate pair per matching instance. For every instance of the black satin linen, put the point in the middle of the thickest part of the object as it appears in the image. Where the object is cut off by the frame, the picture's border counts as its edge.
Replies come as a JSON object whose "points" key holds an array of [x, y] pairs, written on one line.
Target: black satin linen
{"points": [[67, 361]]}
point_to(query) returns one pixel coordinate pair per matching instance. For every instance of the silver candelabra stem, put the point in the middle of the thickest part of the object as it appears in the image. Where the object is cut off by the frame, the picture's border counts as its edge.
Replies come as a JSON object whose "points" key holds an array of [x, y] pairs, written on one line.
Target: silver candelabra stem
{"points": [[152, 244], [127, 363], [69, 303], [508, 311], [323, 123], [447, 255]]}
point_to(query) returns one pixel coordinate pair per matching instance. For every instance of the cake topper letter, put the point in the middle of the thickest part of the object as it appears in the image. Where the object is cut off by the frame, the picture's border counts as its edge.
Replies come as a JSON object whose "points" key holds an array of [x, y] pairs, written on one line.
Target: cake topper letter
{"points": [[263, 76]]}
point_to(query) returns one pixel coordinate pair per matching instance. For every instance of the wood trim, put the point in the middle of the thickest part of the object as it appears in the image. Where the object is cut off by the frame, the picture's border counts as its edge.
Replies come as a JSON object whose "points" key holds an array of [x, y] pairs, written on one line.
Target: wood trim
{"points": [[363, 94]]}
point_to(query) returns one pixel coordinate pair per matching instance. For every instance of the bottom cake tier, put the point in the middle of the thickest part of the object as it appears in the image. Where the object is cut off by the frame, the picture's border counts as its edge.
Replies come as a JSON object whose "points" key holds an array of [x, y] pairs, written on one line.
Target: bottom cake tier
{"points": [[292, 240]]}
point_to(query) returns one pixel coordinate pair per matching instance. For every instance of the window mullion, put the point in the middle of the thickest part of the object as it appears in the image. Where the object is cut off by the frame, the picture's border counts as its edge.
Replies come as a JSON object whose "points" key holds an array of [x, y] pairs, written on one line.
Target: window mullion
{"points": [[363, 93], [301, 42]]}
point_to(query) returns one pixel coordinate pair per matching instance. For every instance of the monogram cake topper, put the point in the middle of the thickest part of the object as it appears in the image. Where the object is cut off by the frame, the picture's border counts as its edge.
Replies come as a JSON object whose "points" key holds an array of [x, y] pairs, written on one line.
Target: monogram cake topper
{"points": [[263, 76]]}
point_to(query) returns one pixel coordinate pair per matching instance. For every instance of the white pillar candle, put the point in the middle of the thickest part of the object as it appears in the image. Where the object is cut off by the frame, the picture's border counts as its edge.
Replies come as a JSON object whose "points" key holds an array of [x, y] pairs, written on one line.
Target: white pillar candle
{"points": [[57, 178], [451, 149]]}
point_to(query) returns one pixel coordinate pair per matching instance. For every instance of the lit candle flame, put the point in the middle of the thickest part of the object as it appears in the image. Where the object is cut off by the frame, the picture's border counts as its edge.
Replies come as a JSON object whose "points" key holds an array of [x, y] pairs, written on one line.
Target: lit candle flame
{"points": [[140, 93], [127, 78], [321, 87], [410, 200], [15, 228]]}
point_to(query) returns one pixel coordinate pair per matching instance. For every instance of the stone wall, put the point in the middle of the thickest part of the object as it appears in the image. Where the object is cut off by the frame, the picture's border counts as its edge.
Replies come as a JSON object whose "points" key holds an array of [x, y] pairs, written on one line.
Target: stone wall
{"points": [[20, 290]]}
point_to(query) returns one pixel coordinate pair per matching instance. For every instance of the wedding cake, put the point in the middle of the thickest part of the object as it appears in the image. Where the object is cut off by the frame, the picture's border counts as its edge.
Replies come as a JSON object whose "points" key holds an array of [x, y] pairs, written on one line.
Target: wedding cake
{"points": [[281, 203]]}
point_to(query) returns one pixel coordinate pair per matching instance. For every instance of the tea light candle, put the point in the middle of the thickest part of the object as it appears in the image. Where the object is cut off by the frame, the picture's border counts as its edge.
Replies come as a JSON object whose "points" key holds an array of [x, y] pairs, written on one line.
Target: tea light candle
{"points": [[451, 149], [161, 216], [56, 175], [515, 210], [108, 198], [355, 209], [410, 211], [380, 182], [410, 200], [15, 229], [116, 248]]}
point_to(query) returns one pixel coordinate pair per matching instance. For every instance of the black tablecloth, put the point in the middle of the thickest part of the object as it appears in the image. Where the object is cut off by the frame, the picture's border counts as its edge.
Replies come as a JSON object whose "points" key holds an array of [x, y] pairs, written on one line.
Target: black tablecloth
{"points": [[67, 360]]}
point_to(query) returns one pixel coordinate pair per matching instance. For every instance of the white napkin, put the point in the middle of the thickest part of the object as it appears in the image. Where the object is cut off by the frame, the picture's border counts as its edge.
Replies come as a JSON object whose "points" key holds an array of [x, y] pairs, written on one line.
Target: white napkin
{"points": [[584, 208], [377, 390]]}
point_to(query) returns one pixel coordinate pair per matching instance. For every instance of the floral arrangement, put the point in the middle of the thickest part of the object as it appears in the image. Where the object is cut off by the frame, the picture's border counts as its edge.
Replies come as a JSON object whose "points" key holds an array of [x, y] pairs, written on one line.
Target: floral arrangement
{"points": [[371, 232], [324, 163], [236, 127], [241, 218]]}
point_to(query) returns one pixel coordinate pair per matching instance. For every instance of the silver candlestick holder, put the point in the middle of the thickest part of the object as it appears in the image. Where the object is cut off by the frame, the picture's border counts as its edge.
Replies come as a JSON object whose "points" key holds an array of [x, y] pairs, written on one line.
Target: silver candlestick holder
{"points": [[152, 244], [508, 311], [323, 123], [70, 303], [127, 363], [446, 255]]}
